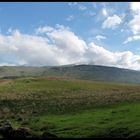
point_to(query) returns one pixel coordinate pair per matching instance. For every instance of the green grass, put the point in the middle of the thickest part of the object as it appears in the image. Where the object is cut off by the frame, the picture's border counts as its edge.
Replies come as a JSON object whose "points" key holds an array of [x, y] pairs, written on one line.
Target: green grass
{"points": [[92, 123], [71, 108]]}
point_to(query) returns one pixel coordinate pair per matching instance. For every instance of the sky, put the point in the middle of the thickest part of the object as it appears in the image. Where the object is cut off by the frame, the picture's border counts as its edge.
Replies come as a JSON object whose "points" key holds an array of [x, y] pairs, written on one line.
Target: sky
{"points": [[61, 33]]}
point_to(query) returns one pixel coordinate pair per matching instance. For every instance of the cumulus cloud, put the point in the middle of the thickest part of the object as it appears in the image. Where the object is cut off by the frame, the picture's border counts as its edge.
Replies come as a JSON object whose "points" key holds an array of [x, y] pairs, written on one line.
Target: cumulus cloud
{"points": [[135, 6], [112, 22], [132, 38], [59, 46], [134, 24], [100, 56]]}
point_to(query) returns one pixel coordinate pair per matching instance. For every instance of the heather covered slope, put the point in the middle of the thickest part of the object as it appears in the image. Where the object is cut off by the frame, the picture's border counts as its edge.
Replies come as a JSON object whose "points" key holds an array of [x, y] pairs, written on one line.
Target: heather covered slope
{"points": [[70, 108]]}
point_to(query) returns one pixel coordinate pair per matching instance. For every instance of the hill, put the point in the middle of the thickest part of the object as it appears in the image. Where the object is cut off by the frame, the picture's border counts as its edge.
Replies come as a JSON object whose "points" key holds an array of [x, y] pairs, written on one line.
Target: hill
{"points": [[84, 72]]}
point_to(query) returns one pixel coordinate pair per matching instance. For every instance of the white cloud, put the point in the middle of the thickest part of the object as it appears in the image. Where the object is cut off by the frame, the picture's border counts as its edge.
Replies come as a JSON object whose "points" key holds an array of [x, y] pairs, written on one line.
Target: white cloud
{"points": [[135, 6], [44, 29], [112, 22], [100, 56], [104, 12], [82, 7], [58, 26], [72, 3], [134, 24], [58, 47], [78, 5], [69, 18], [132, 38], [99, 37]]}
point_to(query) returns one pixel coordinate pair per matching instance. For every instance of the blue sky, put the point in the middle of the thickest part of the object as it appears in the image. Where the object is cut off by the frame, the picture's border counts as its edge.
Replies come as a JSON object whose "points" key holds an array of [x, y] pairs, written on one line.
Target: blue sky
{"points": [[108, 30]]}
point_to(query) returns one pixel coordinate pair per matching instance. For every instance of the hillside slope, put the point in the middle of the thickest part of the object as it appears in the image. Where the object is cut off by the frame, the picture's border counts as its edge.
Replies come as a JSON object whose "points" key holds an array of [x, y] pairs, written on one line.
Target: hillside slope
{"points": [[94, 72], [84, 72]]}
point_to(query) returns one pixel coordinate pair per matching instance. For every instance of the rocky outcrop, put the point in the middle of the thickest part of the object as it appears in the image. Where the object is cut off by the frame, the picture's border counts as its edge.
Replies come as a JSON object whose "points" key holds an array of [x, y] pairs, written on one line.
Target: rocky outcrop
{"points": [[7, 131]]}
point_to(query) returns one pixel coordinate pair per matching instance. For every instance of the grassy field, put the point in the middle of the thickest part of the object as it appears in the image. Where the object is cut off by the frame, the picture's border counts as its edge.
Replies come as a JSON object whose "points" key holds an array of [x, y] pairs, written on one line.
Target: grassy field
{"points": [[71, 108]]}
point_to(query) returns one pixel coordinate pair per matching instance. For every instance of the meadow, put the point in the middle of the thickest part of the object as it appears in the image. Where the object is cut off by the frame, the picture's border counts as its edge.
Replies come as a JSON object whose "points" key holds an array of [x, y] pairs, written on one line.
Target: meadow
{"points": [[70, 108]]}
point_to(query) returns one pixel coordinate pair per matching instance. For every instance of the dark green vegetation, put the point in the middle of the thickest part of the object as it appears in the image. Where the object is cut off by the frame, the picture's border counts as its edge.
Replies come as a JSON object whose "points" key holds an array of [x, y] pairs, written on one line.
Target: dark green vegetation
{"points": [[84, 72], [71, 108]]}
